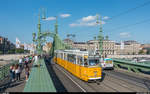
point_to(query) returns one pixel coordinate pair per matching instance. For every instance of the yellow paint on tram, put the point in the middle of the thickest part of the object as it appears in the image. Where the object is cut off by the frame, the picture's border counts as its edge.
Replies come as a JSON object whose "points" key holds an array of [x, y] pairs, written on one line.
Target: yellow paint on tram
{"points": [[85, 73]]}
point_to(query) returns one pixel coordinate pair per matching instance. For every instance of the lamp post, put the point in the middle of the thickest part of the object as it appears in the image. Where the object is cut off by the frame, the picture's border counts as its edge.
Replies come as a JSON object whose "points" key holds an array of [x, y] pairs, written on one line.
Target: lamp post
{"points": [[100, 36]]}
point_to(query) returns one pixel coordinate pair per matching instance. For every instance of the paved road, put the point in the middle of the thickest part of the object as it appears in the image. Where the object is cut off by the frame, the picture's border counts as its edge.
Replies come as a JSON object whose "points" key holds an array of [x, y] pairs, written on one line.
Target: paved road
{"points": [[143, 82], [65, 81]]}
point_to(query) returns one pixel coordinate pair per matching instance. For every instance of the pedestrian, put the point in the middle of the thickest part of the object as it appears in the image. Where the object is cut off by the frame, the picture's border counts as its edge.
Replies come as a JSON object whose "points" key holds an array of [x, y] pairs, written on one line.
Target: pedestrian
{"points": [[20, 62], [17, 71], [36, 59], [30, 59], [13, 73], [27, 60], [27, 72]]}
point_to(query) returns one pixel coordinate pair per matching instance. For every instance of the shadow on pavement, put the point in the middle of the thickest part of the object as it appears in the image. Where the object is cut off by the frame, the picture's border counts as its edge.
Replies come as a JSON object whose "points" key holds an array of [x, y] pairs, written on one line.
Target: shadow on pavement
{"points": [[103, 76], [57, 83]]}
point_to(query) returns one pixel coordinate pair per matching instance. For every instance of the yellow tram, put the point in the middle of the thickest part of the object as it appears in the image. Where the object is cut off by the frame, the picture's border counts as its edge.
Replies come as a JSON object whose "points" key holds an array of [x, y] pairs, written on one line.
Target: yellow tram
{"points": [[80, 64]]}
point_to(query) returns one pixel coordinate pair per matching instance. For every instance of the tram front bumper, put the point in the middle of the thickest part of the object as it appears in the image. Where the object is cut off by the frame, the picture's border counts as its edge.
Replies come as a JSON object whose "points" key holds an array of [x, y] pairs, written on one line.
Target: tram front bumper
{"points": [[96, 78]]}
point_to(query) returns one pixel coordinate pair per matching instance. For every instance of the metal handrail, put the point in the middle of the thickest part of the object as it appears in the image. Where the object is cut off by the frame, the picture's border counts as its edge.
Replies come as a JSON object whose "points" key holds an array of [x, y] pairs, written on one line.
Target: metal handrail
{"points": [[132, 65], [4, 70]]}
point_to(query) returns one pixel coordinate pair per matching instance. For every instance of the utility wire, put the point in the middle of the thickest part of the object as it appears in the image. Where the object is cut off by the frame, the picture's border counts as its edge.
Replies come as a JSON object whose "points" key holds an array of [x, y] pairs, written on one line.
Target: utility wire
{"points": [[130, 10], [129, 25]]}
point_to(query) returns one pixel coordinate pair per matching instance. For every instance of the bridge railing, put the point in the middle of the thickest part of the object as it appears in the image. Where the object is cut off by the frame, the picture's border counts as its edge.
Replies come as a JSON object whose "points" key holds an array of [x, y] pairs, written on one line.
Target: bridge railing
{"points": [[136, 67], [4, 70], [39, 79]]}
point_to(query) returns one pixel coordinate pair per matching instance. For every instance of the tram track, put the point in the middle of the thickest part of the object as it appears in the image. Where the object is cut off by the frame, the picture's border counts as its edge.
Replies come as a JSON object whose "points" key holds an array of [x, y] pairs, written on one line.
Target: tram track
{"points": [[58, 68], [120, 84], [123, 85], [139, 82], [109, 84], [106, 85], [96, 88]]}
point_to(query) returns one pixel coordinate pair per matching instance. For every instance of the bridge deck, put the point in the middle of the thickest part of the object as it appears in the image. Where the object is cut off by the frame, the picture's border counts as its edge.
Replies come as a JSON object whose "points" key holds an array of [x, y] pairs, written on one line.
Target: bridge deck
{"points": [[39, 80]]}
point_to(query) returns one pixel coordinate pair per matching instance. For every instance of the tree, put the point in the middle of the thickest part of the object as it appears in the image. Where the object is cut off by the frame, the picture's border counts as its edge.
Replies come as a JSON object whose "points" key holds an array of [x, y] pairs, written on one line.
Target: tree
{"points": [[148, 51], [19, 50], [11, 51], [133, 53], [141, 52], [1, 52]]}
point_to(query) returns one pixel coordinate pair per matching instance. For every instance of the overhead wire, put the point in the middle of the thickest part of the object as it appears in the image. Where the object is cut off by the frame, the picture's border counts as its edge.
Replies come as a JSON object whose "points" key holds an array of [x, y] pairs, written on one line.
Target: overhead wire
{"points": [[129, 10], [129, 25]]}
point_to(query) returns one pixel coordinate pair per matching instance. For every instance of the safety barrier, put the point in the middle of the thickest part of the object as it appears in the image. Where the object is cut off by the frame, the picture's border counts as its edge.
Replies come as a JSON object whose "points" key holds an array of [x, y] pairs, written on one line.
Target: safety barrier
{"points": [[39, 79], [132, 65], [4, 70]]}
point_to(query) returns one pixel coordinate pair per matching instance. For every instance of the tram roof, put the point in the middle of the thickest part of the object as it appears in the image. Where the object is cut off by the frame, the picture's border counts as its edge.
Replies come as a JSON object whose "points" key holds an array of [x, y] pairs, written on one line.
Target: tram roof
{"points": [[108, 59], [72, 52]]}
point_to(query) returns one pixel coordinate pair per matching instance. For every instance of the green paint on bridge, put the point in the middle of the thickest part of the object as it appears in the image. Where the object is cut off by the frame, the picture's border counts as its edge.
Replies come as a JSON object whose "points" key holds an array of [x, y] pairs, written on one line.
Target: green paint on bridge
{"points": [[39, 79], [132, 65]]}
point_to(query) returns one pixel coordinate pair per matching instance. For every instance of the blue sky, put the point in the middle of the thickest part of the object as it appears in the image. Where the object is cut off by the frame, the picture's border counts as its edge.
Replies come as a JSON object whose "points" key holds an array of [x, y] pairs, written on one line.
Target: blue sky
{"points": [[19, 18]]}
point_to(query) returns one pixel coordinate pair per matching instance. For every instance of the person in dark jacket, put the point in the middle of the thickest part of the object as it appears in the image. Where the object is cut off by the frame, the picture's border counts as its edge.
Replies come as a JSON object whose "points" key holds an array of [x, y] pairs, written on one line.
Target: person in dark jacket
{"points": [[11, 73]]}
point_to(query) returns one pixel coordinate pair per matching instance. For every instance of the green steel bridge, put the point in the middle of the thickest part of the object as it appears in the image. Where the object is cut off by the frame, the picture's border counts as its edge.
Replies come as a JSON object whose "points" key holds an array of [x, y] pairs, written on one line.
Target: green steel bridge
{"points": [[40, 79]]}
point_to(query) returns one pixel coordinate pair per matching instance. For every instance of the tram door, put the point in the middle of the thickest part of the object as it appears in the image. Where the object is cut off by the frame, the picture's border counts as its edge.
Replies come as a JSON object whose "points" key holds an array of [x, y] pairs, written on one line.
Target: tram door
{"points": [[78, 66]]}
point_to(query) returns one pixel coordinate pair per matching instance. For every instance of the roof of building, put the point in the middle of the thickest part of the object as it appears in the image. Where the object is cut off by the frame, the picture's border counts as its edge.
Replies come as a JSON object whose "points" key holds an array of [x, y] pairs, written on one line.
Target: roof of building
{"points": [[68, 40], [79, 42]]}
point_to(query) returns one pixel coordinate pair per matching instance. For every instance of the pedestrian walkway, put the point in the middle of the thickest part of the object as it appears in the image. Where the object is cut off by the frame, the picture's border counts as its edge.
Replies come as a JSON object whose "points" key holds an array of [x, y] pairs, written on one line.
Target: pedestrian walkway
{"points": [[39, 80], [18, 86]]}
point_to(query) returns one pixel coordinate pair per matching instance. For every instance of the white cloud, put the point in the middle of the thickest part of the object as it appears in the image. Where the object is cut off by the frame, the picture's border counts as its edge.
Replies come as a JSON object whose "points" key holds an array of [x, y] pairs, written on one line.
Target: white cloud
{"points": [[87, 21], [105, 17], [125, 35], [50, 18], [85, 24], [73, 25], [88, 18], [64, 15]]}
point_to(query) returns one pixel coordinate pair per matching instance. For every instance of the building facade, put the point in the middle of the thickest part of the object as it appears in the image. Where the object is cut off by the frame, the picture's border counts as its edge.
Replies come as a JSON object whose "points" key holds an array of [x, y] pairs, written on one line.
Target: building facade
{"points": [[109, 47], [128, 48], [5, 45], [47, 47]]}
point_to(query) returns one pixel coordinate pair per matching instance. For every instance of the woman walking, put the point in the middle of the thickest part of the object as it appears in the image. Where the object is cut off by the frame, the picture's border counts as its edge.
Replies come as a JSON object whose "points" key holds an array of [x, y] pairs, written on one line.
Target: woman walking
{"points": [[17, 71], [27, 72], [13, 73]]}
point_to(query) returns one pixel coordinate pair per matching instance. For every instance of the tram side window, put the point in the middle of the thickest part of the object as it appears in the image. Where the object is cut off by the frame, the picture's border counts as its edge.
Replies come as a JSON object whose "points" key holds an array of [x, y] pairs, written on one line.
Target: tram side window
{"points": [[61, 56], [78, 60], [65, 56], [58, 55], [81, 61], [55, 54], [71, 58], [85, 62]]}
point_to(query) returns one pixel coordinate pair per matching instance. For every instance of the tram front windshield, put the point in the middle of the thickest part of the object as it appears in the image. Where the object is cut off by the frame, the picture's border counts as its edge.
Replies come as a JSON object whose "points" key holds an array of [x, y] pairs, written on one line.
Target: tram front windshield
{"points": [[108, 61], [93, 62]]}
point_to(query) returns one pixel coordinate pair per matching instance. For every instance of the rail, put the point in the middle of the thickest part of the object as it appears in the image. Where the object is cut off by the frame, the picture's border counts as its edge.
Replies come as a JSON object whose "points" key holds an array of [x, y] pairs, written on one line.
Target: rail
{"points": [[137, 67], [4, 70], [39, 79]]}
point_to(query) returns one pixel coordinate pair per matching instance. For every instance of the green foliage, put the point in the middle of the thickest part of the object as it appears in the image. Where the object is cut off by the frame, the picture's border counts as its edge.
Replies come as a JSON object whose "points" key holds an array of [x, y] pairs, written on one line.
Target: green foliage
{"points": [[26, 51], [12, 51], [148, 51], [19, 50], [1, 52], [141, 52]]}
